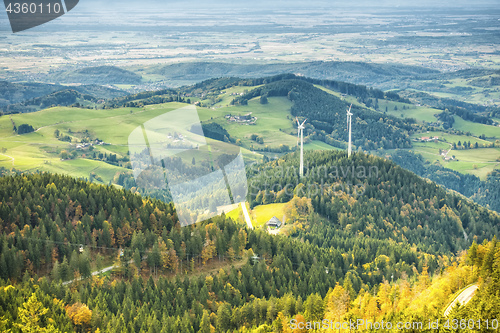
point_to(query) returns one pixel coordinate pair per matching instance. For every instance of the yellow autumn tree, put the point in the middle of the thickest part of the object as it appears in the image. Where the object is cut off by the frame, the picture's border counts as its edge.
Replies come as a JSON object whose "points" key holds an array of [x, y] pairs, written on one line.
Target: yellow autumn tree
{"points": [[298, 209], [208, 251], [80, 314], [31, 314], [337, 303], [168, 256]]}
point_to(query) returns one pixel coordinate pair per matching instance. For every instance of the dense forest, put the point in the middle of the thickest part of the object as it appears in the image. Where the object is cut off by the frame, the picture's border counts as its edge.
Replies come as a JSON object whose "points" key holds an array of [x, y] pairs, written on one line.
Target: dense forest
{"points": [[345, 243], [386, 201]]}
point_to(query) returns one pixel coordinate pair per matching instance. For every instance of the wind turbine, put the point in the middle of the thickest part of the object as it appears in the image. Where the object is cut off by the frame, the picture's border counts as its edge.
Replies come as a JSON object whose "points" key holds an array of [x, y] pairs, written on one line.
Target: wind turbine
{"points": [[349, 126], [301, 134]]}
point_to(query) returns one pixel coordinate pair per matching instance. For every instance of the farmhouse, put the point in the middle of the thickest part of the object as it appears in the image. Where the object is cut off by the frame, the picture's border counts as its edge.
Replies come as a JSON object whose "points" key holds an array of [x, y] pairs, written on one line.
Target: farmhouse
{"points": [[427, 138], [274, 222], [247, 118]]}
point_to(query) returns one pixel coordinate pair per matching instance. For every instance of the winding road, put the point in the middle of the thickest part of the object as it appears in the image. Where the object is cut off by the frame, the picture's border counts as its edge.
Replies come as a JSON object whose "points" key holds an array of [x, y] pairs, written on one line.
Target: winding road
{"points": [[104, 270], [12, 158], [463, 298]]}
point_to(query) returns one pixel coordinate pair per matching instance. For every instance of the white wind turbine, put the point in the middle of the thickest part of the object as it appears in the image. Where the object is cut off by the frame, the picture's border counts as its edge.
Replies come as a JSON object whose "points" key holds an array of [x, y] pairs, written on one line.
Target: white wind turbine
{"points": [[301, 134], [349, 126]]}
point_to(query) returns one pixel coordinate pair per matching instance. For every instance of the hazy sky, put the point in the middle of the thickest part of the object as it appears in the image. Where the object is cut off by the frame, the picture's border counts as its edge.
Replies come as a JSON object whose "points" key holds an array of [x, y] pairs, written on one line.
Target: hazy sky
{"points": [[292, 3]]}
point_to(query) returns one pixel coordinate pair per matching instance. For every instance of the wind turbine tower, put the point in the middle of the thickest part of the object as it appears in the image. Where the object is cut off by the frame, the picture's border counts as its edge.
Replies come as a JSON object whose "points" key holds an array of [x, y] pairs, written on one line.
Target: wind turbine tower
{"points": [[301, 134], [349, 125]]}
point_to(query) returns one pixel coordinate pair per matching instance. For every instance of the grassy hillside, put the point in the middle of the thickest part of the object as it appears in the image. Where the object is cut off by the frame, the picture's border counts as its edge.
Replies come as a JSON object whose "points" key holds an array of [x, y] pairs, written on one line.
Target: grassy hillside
{"points": [[41, 150], [476, 129], [263, 213], [274, 122]]}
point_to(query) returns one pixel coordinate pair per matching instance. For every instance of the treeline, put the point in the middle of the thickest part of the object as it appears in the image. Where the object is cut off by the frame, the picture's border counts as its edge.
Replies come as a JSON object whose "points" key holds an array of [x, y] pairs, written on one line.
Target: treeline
{"points": [[122, 101], [447, 118], [485, 193], [146, 98]]}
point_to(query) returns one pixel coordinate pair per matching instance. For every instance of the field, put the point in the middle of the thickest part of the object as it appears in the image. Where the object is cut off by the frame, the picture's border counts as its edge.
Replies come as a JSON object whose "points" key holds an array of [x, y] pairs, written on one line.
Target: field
{"points": [[478, 162], [274, 122], [237, 213], [260, 214], [476, 129], [263, 213], [420, 113], [450, 138], [319, 145]]}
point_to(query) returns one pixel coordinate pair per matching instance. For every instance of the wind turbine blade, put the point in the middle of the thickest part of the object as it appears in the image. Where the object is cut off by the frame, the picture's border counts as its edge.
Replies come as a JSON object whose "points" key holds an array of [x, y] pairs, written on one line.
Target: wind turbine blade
{"points": [[297, 120], [303, 122]]}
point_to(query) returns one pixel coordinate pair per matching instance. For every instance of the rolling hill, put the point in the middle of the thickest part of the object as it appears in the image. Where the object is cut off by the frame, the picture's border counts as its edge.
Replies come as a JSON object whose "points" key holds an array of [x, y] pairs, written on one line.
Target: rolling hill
{"points": [[29, 97], [102, 75], [346, 248]]}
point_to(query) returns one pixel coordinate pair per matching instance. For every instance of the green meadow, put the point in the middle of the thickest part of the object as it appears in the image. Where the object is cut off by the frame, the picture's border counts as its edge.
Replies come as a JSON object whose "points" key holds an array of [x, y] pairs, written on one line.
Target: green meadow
{"points": [[476, 128], [260, 214], [274, 122], [263, 213], [319, 145], [41, 150], [478, 162]]}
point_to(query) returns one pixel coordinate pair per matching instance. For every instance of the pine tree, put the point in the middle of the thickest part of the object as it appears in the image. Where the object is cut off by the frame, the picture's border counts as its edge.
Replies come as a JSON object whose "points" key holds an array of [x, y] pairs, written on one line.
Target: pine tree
{"points": [[224, 317], [32, 314], [205, 323]]}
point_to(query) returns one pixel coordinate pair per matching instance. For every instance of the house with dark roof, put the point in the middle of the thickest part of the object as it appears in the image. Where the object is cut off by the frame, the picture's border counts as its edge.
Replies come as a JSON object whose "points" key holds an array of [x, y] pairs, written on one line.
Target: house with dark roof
{"points": [[274, 222]]}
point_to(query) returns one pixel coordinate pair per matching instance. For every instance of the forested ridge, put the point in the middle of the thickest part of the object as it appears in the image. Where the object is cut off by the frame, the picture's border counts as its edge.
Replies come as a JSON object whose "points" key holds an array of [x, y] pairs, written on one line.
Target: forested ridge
{"points": [[326, 114], [335, 260], [394, 203]]}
